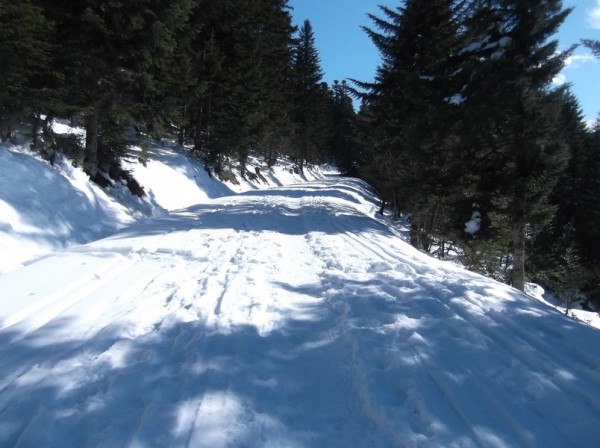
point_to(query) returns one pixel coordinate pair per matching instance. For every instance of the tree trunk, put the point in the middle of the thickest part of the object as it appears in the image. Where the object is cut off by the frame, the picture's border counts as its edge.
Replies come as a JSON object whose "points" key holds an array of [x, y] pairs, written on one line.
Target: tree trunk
{"points": [[199, 131], [92, 136], [35, 133], [518, 274], [415, 231], [303, 150], [415, 234], [48, 147], [181, 135]]}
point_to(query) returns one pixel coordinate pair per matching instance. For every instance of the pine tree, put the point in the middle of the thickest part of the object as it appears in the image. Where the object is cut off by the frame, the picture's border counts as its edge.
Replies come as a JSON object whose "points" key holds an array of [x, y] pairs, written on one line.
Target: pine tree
{"points": [[524, 151], [239, 57], [586, 165], [275, 128], [593, 45], [344, 120], [113, 60], [159, 69], [556, 257], [26, 73], [589, 213], [411, 106], [312, 113]]}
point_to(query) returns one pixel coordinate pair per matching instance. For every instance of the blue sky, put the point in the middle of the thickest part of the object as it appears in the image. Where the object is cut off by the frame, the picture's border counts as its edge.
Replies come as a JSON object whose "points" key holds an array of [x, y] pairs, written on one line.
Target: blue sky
{"points": [[346, 52]]}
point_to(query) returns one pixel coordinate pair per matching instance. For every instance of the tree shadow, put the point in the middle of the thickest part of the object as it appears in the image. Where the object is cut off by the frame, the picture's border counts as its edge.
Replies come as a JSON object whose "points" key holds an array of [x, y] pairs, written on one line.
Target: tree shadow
{"points": [[384, 360], [270, 210], [71, 214], [176, 158], [180, 384]]}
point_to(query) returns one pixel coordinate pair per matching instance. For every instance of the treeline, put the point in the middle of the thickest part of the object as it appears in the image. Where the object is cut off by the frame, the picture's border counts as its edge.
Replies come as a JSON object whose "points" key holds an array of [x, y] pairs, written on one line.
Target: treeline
{"points": [[464, 131], [224, 77]]}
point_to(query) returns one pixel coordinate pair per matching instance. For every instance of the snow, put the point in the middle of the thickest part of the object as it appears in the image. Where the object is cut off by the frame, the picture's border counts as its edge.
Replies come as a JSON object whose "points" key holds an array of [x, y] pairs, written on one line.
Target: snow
{"points": [[505, 41], [456, 99], [591, 318], [287, 314], [497, 55], [473, 225], [44, 209], [182, 181], [485, 44], [473, 46]]}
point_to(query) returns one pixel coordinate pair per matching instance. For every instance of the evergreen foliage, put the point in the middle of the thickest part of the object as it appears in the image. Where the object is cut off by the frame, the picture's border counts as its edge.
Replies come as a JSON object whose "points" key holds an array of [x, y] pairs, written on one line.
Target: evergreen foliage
{"points": [[312, 105], [411, 106], [527, 149], [237, 80], [463, 117], [593, 45], [216, 73], [26, 72], [343, 146], [113, 58]]}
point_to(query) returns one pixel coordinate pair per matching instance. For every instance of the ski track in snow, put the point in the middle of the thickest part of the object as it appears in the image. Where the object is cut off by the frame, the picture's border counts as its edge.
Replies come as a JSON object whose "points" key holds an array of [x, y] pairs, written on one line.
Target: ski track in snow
{"points": [[284, 317]]}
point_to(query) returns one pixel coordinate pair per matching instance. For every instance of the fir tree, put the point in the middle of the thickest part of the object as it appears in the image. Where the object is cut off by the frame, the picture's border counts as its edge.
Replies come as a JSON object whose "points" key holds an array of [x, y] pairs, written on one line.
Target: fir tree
{"points": [[275, 128], [524, 151], [312, 113], [26, 74], [113, 60], [411, 106], [556, 257], [593, 45], [344, 119], [239, 70]]}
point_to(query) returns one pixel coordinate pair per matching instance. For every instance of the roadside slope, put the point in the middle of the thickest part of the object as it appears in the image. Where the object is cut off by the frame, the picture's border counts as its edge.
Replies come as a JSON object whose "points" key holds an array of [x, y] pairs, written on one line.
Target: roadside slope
{"points": [[45, 208]]}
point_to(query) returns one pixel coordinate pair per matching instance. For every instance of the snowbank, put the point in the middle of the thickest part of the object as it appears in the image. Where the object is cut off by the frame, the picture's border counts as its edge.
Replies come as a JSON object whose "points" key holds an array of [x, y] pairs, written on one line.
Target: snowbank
{"points": [[46, 208]]}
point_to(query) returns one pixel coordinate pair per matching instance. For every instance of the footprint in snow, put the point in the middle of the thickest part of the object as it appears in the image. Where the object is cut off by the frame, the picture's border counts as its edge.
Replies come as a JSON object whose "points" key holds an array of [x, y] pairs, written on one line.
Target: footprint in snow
{"points": [[379, 267]]}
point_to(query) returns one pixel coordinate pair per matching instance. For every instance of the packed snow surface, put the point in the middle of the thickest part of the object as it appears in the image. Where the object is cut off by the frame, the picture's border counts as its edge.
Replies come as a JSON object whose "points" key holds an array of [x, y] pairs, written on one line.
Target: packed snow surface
{"points": [[290, 316]]}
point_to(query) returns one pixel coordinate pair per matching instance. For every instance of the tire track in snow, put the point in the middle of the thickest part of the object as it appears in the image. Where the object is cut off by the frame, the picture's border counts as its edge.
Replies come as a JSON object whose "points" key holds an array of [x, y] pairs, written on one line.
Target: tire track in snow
{"points": [[368, 301], [373, 247], [444, 392], [530, 360], [396, 431], [217, 283], [193, 349], [130, 296], [340, 305], [70, 294], [469, 408], [382, 260], [228, 268], [11, 355], [528, 352], [332, 323], [220, 284], [539, 346]]}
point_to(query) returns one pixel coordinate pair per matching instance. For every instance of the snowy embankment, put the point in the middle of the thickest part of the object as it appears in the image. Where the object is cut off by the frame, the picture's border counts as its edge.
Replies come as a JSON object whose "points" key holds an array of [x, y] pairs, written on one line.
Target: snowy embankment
{"points": [[288, 316], [44, 209]]}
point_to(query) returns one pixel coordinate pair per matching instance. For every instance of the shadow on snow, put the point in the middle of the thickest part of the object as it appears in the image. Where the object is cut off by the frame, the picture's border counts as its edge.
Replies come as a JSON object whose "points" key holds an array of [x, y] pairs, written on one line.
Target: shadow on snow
{"points": [[404, 367]]}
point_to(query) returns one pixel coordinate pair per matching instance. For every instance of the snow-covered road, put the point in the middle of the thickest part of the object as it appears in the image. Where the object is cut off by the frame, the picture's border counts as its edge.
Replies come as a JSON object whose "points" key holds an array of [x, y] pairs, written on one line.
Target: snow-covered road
{"points": [[288, 317]]}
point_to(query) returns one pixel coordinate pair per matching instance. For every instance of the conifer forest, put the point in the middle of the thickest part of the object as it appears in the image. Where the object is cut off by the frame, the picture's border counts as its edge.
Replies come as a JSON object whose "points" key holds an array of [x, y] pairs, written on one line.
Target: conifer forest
{"points": [[462, 123]]}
